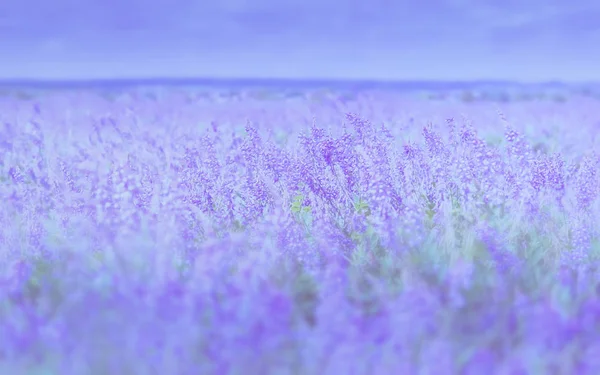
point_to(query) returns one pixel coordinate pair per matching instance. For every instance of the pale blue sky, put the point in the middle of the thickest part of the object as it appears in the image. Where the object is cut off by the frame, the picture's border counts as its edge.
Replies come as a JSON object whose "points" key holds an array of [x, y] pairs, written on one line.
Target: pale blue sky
{"points": [[529, 40]]}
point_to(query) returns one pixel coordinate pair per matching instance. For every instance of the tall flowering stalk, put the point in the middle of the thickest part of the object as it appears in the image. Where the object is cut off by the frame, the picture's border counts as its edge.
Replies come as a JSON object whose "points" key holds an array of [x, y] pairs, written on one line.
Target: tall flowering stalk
{"points": [[207, 233]]}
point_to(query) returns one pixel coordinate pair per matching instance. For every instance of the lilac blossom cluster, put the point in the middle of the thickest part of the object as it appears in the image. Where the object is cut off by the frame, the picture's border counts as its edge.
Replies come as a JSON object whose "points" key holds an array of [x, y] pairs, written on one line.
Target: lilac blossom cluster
{"points": [[382, 234]]}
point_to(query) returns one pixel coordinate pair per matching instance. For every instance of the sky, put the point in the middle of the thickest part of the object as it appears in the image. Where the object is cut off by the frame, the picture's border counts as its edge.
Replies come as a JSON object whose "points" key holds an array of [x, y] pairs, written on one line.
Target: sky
{"points": [[529, 41]]}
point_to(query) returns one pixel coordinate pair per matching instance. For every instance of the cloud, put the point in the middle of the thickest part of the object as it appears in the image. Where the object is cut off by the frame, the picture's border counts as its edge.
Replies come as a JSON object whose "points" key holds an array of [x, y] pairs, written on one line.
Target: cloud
{"points": [[354, 32], [382, 19]]}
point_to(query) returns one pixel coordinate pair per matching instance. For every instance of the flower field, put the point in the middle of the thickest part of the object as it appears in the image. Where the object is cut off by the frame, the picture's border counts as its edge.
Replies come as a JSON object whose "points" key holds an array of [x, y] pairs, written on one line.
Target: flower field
{"points": [[317, 233]]}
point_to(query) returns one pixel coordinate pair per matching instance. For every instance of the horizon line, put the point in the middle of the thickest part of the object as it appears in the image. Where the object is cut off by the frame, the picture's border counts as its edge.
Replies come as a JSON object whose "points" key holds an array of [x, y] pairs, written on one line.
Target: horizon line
{"points": [[270, 81]]}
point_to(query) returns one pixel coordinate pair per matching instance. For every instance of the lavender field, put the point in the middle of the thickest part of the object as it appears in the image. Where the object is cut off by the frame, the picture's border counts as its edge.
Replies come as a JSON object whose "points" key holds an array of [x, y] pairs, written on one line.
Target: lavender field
{"points": [[320, 233]]}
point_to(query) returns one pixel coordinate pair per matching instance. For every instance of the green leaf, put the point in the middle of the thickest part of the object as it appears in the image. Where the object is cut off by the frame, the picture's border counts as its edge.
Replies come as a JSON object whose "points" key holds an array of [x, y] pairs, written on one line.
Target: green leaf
{"points": [[362, 207], [296, 205]]}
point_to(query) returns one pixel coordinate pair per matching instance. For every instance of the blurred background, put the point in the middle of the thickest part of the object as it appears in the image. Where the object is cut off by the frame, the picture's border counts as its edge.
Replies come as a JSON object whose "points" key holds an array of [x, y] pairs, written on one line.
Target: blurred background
{"points": [[528, 41]]}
